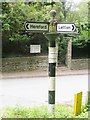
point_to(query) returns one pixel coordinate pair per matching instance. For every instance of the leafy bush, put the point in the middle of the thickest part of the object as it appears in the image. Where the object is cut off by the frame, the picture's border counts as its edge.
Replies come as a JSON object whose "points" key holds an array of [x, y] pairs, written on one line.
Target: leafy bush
{"points": [[62, 50]]}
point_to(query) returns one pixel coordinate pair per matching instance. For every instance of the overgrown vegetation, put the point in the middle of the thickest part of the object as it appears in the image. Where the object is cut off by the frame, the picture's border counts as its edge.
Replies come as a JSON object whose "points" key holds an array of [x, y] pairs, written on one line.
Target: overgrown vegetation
{"points": [[42, 112]]}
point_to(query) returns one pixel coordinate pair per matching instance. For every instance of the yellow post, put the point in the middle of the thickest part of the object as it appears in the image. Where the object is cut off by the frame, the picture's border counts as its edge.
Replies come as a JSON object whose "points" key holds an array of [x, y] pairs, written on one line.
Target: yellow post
{"points": [[77, 103]]}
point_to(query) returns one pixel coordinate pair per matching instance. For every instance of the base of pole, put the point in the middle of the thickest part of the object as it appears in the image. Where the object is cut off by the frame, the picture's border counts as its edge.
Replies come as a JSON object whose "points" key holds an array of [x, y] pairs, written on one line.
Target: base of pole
{"points": [[51, 108]]}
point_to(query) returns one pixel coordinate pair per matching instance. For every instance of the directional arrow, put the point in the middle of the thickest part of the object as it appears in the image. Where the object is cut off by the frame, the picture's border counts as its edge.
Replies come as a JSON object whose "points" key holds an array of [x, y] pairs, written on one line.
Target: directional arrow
{"points": [[27, 26], [65, 27], [73, 27]]}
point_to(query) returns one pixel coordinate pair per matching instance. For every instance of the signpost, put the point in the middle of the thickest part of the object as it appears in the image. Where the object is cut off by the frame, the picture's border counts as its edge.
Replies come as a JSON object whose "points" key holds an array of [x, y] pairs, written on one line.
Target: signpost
{"points": [[65, 27], [41, 27], [37, 27], [51, 31]]}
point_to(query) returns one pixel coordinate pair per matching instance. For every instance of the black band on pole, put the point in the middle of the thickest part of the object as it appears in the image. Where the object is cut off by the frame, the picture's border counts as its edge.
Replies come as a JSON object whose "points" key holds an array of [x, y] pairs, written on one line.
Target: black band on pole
{"points": [[52, 43], [52, 70], [51, 97]]}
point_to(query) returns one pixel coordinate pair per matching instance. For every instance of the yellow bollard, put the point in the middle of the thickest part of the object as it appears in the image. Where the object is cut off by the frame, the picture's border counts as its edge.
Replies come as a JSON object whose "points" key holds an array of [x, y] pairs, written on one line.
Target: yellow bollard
{"points": [[77, 103]]}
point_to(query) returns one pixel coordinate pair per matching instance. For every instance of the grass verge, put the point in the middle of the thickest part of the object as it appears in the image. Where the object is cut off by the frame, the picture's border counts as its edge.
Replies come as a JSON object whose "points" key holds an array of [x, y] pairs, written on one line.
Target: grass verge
{"points": [[42, 112]]}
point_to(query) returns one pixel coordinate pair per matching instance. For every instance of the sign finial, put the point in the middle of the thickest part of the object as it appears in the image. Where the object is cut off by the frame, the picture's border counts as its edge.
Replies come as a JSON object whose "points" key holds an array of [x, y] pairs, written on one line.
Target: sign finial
{"points": [[53, 13]]}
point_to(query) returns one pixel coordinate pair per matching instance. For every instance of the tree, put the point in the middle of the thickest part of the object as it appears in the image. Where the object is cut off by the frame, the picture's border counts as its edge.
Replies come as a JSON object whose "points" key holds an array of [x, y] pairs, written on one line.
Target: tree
{"points": [[14, 16], [83, 39]]}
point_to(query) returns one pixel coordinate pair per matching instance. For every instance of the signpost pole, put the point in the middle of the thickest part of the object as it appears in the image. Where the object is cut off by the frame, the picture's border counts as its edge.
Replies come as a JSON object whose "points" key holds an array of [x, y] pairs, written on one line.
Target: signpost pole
{"points": [[52, 69], [51, 36]]}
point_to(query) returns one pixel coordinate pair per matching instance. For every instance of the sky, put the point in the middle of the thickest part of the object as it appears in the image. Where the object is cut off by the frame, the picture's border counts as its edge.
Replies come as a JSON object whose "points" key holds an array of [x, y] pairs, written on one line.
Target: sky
{"points": [[78, 1], [75, 1]]}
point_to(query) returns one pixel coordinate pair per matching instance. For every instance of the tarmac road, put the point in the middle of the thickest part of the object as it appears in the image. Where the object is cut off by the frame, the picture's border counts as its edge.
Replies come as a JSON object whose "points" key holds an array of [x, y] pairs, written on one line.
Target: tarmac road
{"points": [[34, 90]]}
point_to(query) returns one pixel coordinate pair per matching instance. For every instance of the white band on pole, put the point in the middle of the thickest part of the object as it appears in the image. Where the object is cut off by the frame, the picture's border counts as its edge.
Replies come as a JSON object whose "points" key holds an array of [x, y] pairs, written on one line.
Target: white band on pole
{"points": [[51, 83], [52, 54], [52, 49]]}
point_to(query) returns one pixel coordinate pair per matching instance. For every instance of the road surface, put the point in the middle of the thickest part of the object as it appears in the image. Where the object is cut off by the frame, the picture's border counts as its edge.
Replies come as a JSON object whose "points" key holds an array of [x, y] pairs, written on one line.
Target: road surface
{"points": [[34, 90]]}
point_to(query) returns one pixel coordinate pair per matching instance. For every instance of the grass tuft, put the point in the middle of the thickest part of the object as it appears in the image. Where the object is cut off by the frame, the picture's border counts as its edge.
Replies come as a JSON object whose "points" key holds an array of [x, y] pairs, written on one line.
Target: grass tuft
{"points": [[42, 112]]}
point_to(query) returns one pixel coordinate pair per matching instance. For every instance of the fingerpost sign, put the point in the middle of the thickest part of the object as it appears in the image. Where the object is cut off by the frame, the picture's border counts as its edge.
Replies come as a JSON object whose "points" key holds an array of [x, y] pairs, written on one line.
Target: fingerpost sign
{"points": [[65, 27], [37, 27]]}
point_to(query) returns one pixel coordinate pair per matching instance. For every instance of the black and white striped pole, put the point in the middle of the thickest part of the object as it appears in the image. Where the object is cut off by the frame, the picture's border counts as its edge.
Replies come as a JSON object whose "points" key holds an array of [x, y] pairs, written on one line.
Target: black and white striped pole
{"points": [[52, 65], [51, 36]]}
